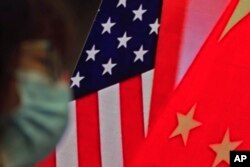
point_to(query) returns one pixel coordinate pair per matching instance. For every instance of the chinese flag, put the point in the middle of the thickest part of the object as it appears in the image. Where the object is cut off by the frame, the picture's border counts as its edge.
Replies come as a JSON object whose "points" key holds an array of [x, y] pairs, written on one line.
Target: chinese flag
{"points": [[209, 113]]}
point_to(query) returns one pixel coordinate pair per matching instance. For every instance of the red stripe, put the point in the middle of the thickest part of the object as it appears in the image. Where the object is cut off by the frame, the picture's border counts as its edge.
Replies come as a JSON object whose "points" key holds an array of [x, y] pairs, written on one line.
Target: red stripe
{"points": [[131, 116], [50, 161], [88, 134], [168, 52]]}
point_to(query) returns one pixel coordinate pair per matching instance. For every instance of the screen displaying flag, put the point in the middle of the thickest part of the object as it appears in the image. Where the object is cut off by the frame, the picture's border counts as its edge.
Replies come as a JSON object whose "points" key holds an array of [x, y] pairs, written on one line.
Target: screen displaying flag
{"points": [[136, 52]]}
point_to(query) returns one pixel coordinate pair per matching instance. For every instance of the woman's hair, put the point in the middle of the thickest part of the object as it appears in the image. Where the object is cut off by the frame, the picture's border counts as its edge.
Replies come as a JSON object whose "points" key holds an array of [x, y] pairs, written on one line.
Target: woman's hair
{"points": [[29, 20]]}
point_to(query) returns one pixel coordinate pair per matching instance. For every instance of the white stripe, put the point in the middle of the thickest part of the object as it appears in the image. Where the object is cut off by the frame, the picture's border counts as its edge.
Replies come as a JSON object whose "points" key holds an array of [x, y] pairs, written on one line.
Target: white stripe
{"points": [[147, 84], [110, 127], [195, 33], [66, 151]]}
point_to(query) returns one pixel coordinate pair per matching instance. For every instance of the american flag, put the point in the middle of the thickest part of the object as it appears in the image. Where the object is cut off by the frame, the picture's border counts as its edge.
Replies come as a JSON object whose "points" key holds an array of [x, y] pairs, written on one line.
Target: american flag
{"points": [[136, 52], [121, 45]]}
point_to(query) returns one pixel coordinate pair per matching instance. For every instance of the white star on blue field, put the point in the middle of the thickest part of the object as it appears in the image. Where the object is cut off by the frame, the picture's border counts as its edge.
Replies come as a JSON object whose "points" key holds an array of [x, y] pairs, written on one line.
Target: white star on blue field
{"points": [[121, 44]]}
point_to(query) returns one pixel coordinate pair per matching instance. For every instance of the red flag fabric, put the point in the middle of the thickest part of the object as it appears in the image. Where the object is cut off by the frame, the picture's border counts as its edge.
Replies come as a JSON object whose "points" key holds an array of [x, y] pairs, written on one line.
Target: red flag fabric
{"points": [[50, 161], [168, 53], [209, 113]]}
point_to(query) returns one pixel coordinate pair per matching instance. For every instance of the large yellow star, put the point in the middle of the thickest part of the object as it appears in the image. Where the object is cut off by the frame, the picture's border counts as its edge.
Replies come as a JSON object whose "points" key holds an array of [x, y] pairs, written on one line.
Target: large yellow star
{"points": [[185, 124], [223, 149], [242, 10]]}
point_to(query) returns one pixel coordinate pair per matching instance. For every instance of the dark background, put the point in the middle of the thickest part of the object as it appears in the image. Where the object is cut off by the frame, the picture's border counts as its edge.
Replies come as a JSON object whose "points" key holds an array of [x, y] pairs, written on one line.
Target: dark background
{"points": [[83, 12]]}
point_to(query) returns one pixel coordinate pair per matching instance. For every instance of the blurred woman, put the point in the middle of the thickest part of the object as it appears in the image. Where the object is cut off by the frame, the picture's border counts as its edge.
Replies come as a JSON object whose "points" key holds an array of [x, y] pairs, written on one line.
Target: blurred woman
{"points": [[35, 38]]}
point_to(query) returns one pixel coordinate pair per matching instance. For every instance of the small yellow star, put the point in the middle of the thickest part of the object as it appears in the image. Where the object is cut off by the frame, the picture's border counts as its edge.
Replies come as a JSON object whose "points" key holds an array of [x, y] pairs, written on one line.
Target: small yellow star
{"points": [[242, 10], [223, 149], [185, 124]]}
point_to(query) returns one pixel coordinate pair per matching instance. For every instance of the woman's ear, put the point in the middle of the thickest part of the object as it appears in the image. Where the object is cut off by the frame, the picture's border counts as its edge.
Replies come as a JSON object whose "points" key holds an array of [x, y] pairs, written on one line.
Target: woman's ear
{"points": [[35, 48]]}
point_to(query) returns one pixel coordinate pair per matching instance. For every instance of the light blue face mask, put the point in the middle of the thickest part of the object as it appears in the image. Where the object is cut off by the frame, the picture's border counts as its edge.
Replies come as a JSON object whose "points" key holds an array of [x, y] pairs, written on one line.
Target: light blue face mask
{"points": [[33, 131]]}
